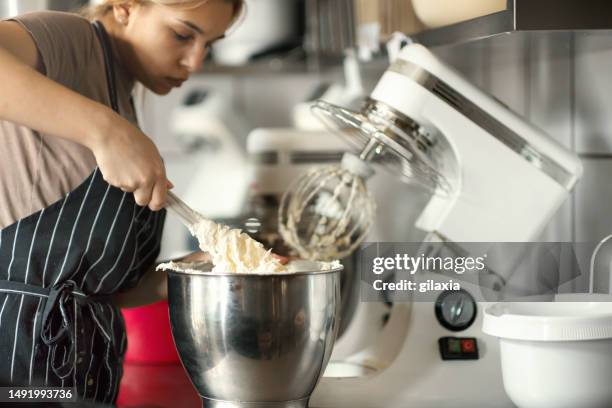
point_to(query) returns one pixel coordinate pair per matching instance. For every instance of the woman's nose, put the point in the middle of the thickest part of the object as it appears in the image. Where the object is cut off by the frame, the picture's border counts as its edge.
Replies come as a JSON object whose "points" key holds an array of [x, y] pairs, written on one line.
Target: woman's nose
{"points": [[194, 58]]}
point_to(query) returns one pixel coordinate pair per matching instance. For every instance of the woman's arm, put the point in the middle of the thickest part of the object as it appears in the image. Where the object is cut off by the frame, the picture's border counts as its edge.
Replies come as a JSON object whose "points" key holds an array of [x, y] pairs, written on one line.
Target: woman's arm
{"points": [[32, 100], [127, 158], [152, 287]]}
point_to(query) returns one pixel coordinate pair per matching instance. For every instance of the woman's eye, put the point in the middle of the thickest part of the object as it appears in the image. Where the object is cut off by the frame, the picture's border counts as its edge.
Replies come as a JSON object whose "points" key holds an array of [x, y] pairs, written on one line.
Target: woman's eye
{"points": [[182, 37]]}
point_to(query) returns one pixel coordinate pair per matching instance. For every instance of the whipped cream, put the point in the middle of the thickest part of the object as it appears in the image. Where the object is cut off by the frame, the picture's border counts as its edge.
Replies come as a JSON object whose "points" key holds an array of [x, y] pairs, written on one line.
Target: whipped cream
{"points": [[232, 250]]}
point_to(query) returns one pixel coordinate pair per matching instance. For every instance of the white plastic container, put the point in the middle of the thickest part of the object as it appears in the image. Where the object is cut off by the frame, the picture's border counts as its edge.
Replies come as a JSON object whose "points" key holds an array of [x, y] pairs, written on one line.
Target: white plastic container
{"points": [[555, 354]]}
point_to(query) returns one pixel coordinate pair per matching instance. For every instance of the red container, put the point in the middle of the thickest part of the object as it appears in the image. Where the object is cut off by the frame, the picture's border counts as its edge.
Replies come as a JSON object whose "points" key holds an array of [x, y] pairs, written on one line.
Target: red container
{"points": [[148, 334]]}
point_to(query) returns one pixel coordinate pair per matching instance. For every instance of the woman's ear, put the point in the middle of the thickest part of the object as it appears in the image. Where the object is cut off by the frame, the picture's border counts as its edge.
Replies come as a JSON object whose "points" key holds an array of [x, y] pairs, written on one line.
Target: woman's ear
{"points": [[121, 12]]}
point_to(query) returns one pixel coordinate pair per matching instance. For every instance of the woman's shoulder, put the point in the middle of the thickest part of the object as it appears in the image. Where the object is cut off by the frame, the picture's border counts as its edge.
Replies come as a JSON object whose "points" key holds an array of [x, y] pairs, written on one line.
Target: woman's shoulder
{"points": [[66, 42], [68, 21], [56, 28]]}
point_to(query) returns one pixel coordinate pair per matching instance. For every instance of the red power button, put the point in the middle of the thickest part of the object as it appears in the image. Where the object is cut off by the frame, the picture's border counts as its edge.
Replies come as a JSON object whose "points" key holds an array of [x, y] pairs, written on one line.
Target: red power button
{"points": [[468, 346]]}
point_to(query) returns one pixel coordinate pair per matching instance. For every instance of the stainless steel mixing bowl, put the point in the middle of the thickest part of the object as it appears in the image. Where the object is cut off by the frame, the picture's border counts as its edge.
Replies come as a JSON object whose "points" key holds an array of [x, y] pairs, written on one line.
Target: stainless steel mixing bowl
{"points": [[251, 340]]}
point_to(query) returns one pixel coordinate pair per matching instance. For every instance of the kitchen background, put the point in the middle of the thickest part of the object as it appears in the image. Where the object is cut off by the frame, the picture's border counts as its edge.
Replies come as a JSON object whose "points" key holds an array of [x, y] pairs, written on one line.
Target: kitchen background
{"points": [[282, 54], [560, 81]]}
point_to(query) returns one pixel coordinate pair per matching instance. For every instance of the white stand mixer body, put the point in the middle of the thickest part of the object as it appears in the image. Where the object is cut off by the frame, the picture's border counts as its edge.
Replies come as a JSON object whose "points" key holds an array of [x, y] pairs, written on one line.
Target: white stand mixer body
{"points": [[500, 195], [511, 179]]}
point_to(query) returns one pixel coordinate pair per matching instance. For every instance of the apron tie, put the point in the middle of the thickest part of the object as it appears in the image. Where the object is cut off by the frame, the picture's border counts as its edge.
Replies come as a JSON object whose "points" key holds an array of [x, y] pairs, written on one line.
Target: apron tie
{"points": [[61, 299]]}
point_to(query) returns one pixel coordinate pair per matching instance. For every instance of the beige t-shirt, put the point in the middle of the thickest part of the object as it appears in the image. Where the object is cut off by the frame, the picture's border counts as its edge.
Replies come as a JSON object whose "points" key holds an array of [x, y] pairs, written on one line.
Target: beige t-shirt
{"points": [[37, 169]]}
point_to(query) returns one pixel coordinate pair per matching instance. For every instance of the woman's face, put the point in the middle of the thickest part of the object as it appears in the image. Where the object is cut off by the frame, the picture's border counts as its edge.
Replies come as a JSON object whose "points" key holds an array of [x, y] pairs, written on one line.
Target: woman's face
{"points": [[166, 44]]}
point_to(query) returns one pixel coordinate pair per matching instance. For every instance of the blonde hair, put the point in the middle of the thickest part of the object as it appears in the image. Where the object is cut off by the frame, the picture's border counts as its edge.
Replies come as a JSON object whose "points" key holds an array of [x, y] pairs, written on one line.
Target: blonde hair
{"points": [[106, 6]]}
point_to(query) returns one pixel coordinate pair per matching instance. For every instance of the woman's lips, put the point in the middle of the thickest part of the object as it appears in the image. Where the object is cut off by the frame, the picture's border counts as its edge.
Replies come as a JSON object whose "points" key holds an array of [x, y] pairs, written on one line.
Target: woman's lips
{"points": [[175, 82]]}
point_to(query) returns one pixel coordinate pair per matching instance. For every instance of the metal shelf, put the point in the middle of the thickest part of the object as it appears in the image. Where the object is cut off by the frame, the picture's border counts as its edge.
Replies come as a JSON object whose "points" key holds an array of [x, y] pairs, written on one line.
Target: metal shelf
{"points": [[525, 16], [277, 65]]}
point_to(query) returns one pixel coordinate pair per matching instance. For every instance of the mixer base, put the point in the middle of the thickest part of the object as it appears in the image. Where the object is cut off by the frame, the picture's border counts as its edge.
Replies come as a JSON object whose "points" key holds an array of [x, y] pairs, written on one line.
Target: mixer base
{"points": [[214, 403]]}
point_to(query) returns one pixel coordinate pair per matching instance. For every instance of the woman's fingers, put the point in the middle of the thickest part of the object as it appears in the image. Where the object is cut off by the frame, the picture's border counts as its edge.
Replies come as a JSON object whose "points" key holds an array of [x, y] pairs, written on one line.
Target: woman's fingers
{"points": [[142, 195], [198, 256], [283, 260], [158, 199]]}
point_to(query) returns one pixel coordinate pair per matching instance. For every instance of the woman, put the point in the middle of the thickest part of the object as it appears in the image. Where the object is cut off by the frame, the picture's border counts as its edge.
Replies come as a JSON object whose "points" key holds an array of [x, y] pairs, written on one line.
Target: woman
{"points": [[80, 185]]}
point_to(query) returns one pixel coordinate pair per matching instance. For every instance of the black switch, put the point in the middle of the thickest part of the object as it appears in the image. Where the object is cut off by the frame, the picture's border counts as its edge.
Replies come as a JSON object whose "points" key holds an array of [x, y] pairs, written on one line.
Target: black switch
{"points": [[458, 348]]}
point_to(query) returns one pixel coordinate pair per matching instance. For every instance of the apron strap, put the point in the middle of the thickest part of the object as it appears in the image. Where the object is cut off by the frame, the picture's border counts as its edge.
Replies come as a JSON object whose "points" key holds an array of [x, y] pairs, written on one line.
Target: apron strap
{"points": [[108, 63], [60, 298]]}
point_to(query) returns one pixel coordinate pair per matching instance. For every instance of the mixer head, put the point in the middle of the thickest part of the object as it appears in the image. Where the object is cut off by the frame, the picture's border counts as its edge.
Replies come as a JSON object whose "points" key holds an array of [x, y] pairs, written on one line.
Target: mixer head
{"points": [[386, 137], [327, 212]]}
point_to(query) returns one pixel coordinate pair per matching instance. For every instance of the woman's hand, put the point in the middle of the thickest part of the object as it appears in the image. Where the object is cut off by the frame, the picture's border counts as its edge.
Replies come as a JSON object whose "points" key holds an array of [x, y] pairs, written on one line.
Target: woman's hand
{"points": [[282, 259], [129, 160], [197, 256]]}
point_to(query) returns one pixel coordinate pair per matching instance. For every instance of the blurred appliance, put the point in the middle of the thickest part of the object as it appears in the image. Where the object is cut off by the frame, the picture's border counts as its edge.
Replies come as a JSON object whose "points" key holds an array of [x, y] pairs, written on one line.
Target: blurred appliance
{"points": [[266, 25], [209, 127], [336, 25], [377, 20], [9, 8], [330, 27], [494, 178], [140, 322], [278, 156], [438, 13], [389, 15], [348, 94]]}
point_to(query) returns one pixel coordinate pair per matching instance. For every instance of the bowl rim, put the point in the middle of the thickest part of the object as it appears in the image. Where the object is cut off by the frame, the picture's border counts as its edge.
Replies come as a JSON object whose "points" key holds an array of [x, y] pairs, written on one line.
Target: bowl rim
{"points": [[255, 275]]}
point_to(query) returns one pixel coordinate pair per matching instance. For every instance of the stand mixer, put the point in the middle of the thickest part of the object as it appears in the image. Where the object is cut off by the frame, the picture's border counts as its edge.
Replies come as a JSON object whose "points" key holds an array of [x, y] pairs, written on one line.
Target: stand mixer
{"points": [[494, 178]]}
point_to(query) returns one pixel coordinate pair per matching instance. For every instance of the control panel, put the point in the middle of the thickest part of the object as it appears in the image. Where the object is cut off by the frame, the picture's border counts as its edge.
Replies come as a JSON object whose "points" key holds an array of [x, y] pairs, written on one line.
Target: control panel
{"points": [[458, 348]]}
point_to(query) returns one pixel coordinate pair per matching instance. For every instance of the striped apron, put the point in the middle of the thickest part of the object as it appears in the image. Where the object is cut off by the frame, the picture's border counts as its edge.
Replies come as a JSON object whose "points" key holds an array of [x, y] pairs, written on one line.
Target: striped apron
{"points": [[58, 268]]}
